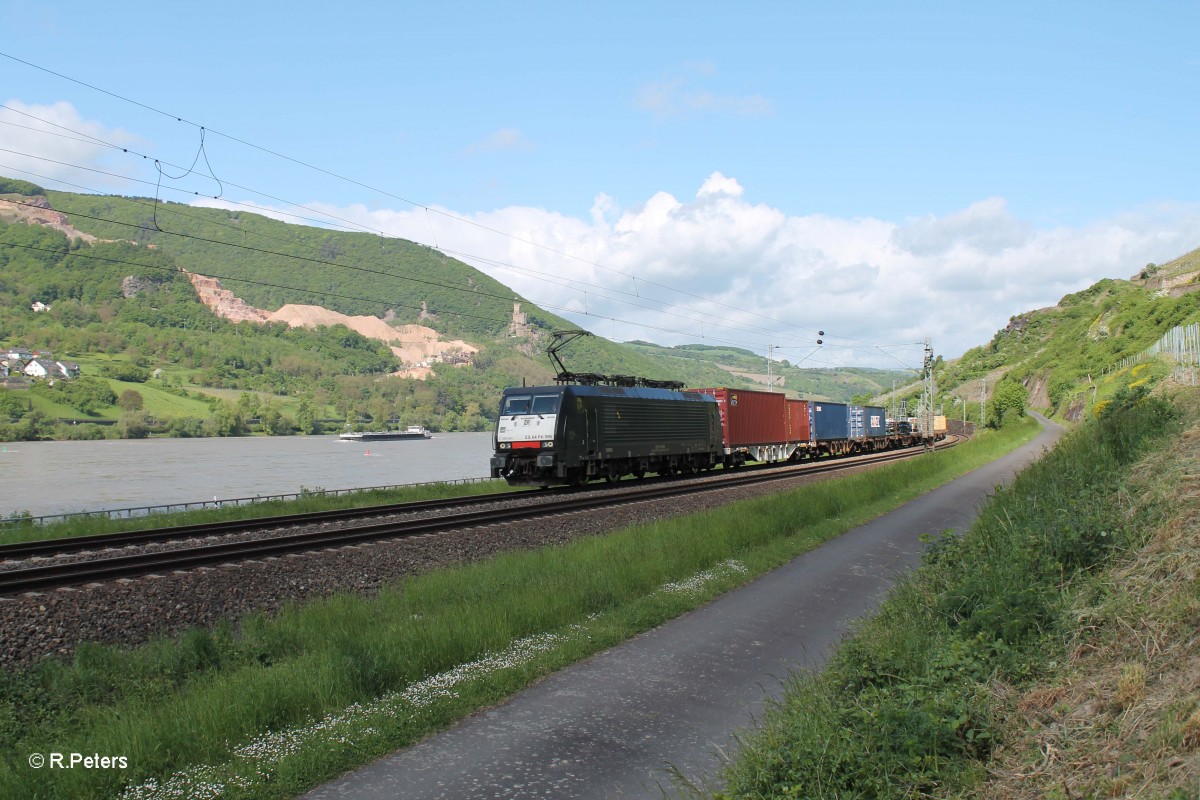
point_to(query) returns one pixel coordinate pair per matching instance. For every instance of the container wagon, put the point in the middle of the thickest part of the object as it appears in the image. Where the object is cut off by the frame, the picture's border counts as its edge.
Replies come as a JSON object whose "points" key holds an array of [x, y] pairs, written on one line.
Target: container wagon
{"points": [[755, 425]]}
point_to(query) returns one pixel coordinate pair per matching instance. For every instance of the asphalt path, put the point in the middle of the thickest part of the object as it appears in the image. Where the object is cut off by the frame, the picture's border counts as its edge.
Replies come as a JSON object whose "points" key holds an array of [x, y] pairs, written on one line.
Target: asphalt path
{"points": [[620, 724]]}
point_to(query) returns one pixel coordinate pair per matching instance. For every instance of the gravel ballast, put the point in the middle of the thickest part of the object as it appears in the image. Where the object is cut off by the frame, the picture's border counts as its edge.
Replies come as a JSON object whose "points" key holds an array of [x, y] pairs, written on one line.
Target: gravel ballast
{"points": [[130, 612]]}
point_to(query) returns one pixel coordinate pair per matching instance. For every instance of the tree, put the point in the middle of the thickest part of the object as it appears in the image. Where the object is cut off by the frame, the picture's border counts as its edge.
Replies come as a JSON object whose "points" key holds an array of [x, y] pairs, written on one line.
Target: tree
{"points": [[130, 400], [227, 420], [275, 422], [1007, 403], [133, 425], [306, 417]]}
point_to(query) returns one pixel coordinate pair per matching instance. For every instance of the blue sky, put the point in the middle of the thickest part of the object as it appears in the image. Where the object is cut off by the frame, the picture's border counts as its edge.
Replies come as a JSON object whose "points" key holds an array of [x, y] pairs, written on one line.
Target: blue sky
{"points": [[803, 162]]}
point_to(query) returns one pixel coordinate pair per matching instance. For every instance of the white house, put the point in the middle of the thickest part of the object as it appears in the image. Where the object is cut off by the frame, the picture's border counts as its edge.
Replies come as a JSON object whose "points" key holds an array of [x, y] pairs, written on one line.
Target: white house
{"points": [[41, 368]]}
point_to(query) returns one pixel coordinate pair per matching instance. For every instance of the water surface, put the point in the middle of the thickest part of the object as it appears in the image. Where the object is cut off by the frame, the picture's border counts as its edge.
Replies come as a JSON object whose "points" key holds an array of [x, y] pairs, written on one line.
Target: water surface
{"points": [[60, 477]]}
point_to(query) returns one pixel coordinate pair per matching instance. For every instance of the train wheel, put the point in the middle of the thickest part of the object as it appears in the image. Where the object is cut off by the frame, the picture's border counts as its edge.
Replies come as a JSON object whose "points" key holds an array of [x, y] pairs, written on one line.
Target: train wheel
{"points": [[639, 473]]}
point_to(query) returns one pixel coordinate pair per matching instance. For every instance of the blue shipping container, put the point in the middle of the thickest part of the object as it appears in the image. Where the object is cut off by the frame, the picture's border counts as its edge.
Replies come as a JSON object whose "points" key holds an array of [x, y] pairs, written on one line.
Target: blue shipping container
{"points": [[830, 421], [875, 421]]}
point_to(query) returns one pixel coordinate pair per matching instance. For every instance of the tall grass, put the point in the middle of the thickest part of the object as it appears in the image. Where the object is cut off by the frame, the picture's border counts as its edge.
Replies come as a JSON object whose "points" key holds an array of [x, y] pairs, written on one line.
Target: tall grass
{"points": [[195, 700], [902, 709]]}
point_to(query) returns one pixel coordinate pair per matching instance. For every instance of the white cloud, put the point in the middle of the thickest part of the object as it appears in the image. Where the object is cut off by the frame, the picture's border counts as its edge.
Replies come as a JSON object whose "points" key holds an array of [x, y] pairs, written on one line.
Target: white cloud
{"points": [[721, 260], [678, 96], [503, 139], [51, 142]]}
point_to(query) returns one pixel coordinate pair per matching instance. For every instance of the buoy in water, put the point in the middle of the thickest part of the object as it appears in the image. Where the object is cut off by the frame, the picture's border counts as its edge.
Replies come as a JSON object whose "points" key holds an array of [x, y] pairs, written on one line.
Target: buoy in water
{"points": [[368, 452]]}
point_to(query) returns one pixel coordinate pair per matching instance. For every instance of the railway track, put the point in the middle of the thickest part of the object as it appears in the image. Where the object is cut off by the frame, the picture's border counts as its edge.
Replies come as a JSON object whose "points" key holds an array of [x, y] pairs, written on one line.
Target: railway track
{"points": [[52, 576]]}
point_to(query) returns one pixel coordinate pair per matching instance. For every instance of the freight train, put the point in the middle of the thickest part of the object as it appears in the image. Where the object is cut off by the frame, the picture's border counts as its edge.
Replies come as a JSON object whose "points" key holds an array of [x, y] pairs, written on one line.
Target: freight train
{"points": [[572, 434]]}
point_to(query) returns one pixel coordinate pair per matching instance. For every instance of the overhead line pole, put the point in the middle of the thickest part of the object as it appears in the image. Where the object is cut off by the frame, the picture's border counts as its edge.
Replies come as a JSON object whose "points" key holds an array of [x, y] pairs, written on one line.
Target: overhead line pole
{"points": [[927, 394]]}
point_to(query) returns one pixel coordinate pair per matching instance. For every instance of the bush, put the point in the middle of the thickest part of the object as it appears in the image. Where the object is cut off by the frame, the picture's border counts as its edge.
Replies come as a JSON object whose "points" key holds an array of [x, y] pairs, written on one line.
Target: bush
{"points": [[124, 371]]}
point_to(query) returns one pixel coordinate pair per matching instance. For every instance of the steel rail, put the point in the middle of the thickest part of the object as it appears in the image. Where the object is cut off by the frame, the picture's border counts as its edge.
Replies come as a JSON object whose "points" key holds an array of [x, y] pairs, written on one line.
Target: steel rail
{"points": [[53, 576], [72, 544]]}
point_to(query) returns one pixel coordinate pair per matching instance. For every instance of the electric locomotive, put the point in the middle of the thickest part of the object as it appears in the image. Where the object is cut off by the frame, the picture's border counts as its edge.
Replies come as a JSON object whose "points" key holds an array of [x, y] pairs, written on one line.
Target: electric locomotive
{"points": [[570, 434]]}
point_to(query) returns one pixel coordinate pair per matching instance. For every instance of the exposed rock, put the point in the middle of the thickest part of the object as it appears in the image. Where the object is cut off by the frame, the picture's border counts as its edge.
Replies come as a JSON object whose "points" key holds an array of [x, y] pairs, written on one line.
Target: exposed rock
{"points": [[416, 346], [1038, 385], [133, 285], [224, 303], [37, 211]]}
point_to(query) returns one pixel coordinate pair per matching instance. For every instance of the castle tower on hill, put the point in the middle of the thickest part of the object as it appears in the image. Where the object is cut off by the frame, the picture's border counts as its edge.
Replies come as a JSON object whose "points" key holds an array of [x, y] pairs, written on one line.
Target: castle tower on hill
{"points": [[519, 321]]}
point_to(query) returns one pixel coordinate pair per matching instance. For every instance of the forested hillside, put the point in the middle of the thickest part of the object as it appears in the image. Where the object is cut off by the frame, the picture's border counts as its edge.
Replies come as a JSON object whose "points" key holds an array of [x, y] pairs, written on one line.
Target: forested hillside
{"points": [[154, 359], [121, 308]]}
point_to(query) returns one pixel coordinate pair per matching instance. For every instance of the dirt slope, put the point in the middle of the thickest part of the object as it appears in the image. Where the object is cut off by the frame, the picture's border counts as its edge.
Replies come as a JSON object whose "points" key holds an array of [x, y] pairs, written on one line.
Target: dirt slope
{"points": [[415, 345]]}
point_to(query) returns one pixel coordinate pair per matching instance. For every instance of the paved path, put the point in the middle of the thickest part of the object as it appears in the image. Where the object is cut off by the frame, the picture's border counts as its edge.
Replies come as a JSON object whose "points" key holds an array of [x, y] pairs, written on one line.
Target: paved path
{"points": [[612, 726]]}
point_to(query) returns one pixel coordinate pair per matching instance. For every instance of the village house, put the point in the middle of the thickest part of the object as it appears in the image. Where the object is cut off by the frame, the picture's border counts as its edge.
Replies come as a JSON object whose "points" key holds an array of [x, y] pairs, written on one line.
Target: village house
{"points": [[41, 368], [67, 369]]}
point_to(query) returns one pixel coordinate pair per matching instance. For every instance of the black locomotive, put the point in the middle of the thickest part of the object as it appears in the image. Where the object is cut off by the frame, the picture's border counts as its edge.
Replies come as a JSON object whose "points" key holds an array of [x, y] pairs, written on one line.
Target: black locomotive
{"points": [[575, 433]]}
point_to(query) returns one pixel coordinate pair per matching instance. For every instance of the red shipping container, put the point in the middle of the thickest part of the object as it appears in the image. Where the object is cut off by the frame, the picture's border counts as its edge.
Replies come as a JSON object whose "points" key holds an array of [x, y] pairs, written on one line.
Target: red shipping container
{"points": [[797, 421], [749, 417]]}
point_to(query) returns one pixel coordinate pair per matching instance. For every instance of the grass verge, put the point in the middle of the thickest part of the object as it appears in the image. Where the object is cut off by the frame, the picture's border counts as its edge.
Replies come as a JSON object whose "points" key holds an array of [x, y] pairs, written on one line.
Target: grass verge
{"points": [[906, 706], [23, 530], [278, 704], [1120, 715]]}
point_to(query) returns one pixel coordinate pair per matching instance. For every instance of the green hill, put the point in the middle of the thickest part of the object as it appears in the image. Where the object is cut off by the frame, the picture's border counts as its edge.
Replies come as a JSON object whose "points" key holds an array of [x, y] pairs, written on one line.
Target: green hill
{"points": [[122, 300], [738, 364], [1066, 356], [122, 309]]}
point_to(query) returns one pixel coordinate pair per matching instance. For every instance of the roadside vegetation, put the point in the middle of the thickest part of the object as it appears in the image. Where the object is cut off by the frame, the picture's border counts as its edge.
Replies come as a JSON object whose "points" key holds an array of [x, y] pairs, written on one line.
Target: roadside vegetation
{"points": [[271, 706], [929, 696]]}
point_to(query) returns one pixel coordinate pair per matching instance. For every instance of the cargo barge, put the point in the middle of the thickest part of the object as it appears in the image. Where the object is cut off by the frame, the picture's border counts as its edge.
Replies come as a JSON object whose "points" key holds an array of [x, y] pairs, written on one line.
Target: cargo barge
{"points": [[411, 432]]}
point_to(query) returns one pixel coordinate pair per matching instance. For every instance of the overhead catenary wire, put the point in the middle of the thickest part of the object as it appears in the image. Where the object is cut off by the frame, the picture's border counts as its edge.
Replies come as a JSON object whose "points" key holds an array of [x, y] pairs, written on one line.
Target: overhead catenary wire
{"points": [[428, 209], [233, 279], [267, 284], [432, 210], [349, 225], [403, 277], [400, 277], [325, 293]]}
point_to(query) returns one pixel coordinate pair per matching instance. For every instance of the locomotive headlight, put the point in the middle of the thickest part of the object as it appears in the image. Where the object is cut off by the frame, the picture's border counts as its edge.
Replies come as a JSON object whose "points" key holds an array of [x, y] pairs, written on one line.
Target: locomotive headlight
{"points": [[505, 445], [548, 444]]}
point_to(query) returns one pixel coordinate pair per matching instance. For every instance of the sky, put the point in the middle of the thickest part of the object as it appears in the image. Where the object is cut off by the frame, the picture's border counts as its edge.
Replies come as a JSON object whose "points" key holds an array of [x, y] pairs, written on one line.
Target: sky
{"points": [[729, 174]]}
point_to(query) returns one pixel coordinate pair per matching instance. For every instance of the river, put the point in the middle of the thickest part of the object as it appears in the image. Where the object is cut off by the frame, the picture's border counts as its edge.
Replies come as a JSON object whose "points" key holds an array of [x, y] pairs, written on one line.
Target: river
{"points": [[45, 478]]}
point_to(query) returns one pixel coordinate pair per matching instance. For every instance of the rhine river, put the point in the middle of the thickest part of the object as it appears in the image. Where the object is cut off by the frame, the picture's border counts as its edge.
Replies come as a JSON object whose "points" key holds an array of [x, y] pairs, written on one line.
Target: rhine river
{"points": [[47, 478]]}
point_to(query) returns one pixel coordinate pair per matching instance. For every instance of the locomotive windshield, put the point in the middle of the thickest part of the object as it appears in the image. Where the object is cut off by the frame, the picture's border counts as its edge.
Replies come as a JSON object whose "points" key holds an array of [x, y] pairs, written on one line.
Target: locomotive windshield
{"points": [[519, 404], [545, 404], [516, 404]]}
